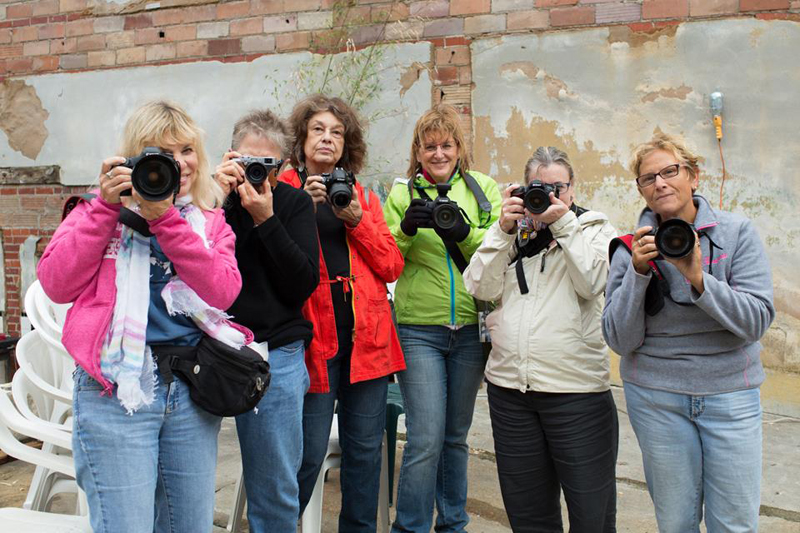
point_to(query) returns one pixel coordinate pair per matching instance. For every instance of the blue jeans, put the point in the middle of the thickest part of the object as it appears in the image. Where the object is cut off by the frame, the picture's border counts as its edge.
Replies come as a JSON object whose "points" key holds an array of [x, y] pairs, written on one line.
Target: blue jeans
{"points": [[444, 369], [362, 420], [700, 450], [150, 471], [271, 440]]}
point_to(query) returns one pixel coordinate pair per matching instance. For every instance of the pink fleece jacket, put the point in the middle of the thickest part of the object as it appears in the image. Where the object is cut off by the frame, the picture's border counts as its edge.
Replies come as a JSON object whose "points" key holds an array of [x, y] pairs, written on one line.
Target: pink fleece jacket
{"points": [[79, 266]]}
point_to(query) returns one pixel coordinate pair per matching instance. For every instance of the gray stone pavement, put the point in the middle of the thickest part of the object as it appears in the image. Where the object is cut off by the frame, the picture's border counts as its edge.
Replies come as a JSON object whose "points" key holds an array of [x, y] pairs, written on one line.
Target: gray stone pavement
{"points": [[780, 511]]}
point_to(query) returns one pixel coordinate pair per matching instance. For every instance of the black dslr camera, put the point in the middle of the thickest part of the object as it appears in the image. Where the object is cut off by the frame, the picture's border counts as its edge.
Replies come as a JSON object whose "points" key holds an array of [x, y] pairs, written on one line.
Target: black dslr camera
{"points": [[536, 196], [674, 238], [258, 169], [339, 184], [444, 211], [156, 175]]}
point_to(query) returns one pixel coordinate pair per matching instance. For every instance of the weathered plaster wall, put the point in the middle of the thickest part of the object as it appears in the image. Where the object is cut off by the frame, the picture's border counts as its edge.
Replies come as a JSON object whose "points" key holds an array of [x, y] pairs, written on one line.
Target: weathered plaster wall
{"points": [[76, 120], [599, 92]]}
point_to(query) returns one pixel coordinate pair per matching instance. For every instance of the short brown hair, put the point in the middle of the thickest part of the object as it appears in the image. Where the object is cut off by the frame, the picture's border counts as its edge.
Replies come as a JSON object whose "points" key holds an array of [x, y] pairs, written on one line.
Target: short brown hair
{"points": [[441, 119], [262, 123], [355, 148], [668, 143]]}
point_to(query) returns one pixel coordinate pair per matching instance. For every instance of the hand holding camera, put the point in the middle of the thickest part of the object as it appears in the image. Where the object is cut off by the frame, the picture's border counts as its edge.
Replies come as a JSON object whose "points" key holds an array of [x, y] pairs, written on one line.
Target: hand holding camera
{"points": [[441, 214], [542, 201], [674, 241], [512, 210], [257, 203], [114, 179], [153, 178]]}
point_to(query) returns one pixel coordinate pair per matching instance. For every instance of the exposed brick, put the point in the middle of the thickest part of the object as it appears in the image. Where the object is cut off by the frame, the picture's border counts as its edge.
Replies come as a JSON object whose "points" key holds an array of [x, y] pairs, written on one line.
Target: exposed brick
{"points": [[192, 48], [445, 75], [500, 6], [11, 51], [605, 13], [5, 36], [404, 31], [523, 20], [79, 27], [148, 36], [452, 55], [66, 6], [168, 17], [123, 39], [26, 33], [665, 9], [430, 8], [448, 26], [160, 52], [51, 31], [266, 7], [763, 5], [19, 11], [280, 24], [91, 42], [187, 32], [597, 1], [224, 47], [248, 26], [212, 30], [45, 7], [391, 13], [555, 3], [63, 46], [464, 75], [258, 43], [232, 10], [73, 61], [795, 4], [57, 18], [198, 13], [367, 34], [292, 41], [109, 24], [33, 21], [484, 24], [134, 22], [314, 21], [572, 16], [36, 48], [304, 5], [128, 56], [469, 7], [703, 8], [102, 58], [45, 63], [352, 15]]}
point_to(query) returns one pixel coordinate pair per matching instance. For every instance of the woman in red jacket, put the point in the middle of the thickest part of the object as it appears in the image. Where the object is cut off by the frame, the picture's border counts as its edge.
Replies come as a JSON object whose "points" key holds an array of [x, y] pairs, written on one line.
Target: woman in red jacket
{"points": [[355, 346]]}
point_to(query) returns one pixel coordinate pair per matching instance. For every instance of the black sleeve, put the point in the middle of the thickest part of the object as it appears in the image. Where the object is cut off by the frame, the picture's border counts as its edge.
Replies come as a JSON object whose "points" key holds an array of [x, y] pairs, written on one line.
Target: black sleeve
{"points": [[290, 248], [237, 218]]}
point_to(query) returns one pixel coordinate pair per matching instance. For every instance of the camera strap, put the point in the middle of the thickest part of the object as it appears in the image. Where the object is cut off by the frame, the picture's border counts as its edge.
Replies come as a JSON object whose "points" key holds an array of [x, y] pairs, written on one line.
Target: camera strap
{"points": [[452, 247], [134, 221]]}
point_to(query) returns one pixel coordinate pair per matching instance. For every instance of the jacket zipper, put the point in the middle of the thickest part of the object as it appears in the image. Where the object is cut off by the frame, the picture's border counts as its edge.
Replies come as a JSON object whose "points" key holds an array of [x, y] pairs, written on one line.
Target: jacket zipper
{"points": [[352, 292], [452, 289]]}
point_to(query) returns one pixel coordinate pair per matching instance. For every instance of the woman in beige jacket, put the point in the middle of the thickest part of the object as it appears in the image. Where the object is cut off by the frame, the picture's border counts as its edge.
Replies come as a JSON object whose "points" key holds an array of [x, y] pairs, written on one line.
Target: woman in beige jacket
{"points": [[553, 416]]}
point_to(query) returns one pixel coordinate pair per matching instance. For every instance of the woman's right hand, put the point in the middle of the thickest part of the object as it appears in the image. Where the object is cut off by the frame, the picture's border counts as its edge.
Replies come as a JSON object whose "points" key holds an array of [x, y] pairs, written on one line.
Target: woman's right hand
{"points": [[643, 249], [229, 174], [512, 210], [316, 188], [114, 179]]}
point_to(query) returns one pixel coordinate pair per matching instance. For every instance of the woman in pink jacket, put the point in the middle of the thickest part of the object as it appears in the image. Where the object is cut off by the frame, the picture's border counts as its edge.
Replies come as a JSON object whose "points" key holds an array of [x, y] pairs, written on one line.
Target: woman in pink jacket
{"points": [[145, 454]]}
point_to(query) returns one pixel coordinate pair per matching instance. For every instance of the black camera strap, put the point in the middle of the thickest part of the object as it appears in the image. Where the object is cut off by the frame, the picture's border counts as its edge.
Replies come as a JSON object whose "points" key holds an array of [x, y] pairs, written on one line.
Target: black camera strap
{"points": [[452, 247], [135, 221]]}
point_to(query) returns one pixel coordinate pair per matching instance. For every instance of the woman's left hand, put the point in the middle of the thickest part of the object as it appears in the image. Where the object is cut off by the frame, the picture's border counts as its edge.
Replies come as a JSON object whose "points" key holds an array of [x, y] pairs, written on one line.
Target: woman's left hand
{"points": [[691, 266], [556, 210], [152, 210], [351, 215]]}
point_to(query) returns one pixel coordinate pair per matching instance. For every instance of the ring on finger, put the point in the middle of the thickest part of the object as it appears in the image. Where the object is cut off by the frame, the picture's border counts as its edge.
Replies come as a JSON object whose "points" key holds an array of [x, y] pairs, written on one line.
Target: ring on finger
{"points": [[108, 174]]}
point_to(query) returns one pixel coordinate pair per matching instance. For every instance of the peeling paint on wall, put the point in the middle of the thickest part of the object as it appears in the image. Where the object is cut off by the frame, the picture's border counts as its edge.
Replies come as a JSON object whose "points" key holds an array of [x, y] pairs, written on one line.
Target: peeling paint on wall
{"points": [[620, 86], [410, 76], [22, 117]]}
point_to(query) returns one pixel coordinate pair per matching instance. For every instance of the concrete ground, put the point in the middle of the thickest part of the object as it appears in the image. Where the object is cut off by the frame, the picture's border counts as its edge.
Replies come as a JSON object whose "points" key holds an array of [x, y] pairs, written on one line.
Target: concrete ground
{"points": [[780, 505]]}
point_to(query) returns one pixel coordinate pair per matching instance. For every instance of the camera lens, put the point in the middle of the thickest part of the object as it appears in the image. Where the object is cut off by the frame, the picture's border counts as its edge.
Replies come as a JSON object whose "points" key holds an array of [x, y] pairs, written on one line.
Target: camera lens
{"points": [[537, 200], [444, 216], [156, 177], [675, 238], [255, 173], [340, 195]]}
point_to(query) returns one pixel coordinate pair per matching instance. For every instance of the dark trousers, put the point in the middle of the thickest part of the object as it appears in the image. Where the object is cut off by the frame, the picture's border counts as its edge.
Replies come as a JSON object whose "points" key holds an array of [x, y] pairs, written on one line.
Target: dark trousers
{"points": [[545, 442]]}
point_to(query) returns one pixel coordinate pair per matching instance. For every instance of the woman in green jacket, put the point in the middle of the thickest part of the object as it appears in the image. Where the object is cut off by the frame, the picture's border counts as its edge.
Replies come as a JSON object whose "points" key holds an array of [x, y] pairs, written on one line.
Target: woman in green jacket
{"points": [[438, 218]]}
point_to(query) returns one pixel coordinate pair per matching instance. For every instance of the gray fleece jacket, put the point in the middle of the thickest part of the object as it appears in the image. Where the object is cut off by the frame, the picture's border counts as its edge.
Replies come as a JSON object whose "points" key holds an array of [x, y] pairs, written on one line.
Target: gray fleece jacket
{"points": [[697, 344]]}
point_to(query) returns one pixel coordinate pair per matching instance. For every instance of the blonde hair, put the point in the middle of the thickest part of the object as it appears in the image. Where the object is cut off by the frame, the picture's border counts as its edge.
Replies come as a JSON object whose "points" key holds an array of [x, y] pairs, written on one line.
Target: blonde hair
{"points": [[161, 122], [668, 143], [441, 119]]}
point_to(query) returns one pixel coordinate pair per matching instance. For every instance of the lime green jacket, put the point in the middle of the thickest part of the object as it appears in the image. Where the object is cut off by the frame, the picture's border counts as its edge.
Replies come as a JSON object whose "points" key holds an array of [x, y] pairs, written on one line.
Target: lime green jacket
{"points": [[430, 291]]}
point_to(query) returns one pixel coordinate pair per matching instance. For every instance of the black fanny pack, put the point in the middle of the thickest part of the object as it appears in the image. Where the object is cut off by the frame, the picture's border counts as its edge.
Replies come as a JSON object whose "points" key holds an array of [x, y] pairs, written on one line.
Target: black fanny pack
{"points": [[222, 380]]}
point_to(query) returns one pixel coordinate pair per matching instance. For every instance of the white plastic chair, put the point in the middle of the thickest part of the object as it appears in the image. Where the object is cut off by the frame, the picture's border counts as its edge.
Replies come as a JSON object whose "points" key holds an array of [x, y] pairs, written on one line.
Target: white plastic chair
{"points": [[11, 422]]}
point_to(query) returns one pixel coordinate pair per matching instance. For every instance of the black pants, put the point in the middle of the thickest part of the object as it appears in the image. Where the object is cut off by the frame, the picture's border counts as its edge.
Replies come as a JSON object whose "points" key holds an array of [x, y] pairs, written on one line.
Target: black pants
{"points": [[548, 441]]}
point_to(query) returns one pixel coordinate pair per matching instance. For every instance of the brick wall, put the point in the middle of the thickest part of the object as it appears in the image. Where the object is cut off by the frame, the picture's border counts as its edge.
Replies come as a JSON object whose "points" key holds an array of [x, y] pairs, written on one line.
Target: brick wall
{"points": [[47, 36]]}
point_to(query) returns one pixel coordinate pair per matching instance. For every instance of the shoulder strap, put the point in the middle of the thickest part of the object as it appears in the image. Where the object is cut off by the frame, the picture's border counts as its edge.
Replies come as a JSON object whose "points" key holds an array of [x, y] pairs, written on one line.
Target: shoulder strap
{"points": [[627, 242], [135, 221], [658, 287], [73, 201], [477, 192]]}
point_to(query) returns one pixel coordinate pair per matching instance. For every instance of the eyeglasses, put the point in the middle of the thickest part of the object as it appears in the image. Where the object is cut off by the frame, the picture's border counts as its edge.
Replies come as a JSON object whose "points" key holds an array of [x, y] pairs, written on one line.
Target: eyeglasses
{"points": [[666, 173], [561, 186]]}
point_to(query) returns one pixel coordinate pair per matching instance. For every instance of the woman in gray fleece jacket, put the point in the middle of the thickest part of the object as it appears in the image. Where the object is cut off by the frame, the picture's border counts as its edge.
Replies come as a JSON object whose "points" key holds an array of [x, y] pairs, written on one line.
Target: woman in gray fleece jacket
{"points": [[692, 370]]}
